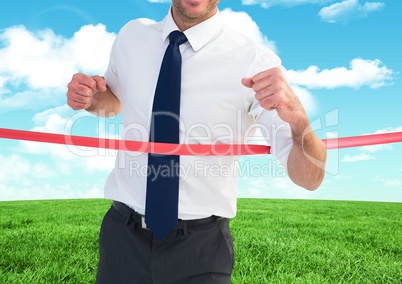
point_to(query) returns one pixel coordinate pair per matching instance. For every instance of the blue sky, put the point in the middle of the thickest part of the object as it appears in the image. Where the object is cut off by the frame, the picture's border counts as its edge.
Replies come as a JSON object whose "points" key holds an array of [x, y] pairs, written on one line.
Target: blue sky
{"points": [[343, 59]]}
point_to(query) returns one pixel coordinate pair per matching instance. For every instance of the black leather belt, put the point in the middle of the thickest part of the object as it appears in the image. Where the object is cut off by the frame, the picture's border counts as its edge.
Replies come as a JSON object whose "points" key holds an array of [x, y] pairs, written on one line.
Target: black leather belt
{"points": [[140, 219]]}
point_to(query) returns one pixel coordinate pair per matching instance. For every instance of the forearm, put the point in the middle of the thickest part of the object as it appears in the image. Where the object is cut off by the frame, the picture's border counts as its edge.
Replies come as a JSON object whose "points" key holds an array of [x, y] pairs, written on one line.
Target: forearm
{"points": [[105, 104], [306, 162]]}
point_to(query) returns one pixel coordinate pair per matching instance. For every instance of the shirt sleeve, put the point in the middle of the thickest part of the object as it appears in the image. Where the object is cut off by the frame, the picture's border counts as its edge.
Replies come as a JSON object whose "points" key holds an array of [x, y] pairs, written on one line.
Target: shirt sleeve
{"points": [[275, 131], [111, 75]]}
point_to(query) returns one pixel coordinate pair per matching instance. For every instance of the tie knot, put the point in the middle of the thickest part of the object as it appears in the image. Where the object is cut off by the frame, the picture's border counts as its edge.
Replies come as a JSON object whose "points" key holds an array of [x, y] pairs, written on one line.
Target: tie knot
{"points": [[177, 37]]}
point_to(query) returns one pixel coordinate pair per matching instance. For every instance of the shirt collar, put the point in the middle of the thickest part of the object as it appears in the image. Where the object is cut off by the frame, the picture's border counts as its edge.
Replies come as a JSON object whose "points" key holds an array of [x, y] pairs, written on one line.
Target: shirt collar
{"points": [[197, 36]]}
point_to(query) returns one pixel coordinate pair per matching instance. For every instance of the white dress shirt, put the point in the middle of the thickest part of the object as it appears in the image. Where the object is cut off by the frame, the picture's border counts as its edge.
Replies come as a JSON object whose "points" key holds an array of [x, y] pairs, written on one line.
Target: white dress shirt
{"points": [[215, 108]]}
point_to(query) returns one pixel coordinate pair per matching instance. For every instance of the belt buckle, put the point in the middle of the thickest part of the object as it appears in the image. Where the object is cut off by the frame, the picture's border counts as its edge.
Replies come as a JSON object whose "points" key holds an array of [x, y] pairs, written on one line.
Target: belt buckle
{"points": [[143, 224]]}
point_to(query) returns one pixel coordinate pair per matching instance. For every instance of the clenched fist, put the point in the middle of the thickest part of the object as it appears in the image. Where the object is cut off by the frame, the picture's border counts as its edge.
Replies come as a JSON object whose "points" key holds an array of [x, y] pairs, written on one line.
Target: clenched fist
{"points": [[306, 161], [273, 92], [81, 90]]}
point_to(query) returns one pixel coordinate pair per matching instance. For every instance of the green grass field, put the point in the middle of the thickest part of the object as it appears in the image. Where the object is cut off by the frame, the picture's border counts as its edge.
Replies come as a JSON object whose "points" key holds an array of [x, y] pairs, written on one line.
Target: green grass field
{"points": [[276, 241]]}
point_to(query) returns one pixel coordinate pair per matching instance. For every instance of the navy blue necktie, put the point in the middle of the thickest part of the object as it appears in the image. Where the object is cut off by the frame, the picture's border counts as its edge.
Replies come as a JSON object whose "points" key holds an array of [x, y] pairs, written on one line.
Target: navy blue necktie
{"points": [[161, 212]]}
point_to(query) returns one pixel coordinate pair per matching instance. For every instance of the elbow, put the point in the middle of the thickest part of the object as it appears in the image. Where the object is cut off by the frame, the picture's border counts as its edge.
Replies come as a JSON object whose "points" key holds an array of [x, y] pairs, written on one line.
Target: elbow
{"points": [[308, 170], [310, 184], [314, 185], [317, 178], [310, 175]]}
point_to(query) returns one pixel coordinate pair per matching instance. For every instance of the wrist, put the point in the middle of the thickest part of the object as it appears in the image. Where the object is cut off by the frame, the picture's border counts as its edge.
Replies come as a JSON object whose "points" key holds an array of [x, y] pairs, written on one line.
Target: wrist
{"points": [[300, 128]]}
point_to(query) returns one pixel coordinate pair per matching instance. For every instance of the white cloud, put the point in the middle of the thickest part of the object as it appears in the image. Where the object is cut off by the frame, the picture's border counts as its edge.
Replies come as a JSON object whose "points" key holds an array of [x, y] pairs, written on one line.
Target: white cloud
{"points": [[101, 163], [55, 175], [13, 167], [54, 124], [392, 182], [42, 171], [3, 80], [159, 1], [347, 10], [43, 190], [50, 121], [388, 182], [67, 158], [358, 158], [19, 178], [61, 120], [389, 129], [362, 72], [376, 148], [43, 117], [269, 187], [287, 3], [30, 99], [306, 97], [367, 152], [340, 12], [243, 23], [332, 135], [42, 63], [268, 3]]}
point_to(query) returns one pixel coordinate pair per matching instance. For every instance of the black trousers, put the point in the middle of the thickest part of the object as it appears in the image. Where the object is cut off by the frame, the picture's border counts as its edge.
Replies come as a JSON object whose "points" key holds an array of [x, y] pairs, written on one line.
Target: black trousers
{"points": [[189, 254]]}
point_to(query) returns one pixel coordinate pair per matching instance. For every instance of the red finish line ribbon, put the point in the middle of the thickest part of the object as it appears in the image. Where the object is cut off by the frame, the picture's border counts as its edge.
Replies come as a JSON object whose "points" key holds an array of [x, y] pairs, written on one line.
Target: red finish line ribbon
{"points": [[137, 146], [364, 140], [187, 149]]}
